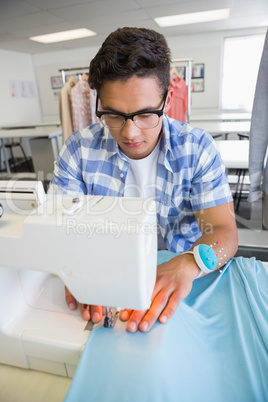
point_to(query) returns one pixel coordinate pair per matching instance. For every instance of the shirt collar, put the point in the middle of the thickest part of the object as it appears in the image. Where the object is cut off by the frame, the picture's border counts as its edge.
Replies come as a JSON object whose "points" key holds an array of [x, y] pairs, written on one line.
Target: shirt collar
{"points": [[165, 145]]}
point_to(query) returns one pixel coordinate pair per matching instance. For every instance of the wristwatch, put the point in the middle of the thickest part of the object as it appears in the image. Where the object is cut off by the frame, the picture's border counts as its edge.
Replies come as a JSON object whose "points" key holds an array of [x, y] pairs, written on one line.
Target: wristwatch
{"points": [[205, 257]]}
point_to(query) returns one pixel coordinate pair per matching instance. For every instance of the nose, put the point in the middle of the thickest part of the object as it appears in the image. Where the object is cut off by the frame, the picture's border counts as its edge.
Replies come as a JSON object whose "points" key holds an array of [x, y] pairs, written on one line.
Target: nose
{"points": [[130, 130]]}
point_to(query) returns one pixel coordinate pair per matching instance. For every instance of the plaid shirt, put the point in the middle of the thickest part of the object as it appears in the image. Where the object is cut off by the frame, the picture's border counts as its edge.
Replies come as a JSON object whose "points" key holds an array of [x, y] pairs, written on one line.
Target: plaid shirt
{"points": [[190, 175]]}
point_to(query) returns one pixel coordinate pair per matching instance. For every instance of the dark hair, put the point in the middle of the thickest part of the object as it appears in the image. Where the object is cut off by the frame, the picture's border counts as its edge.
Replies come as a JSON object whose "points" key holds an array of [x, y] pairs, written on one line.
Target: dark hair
{"points": [[129, 52]]}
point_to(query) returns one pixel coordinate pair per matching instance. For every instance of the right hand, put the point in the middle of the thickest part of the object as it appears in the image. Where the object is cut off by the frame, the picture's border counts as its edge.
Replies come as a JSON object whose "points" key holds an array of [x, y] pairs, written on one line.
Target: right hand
{"points": [[93, 313]]}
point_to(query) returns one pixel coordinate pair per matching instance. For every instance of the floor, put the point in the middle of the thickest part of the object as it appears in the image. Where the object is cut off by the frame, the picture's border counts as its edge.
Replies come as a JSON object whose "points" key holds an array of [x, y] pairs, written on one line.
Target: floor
{"points": [[20, 385]]}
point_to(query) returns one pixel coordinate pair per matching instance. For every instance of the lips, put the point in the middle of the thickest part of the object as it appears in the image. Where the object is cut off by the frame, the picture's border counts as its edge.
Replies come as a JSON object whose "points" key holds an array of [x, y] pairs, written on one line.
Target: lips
{"points": [[133, 144]]}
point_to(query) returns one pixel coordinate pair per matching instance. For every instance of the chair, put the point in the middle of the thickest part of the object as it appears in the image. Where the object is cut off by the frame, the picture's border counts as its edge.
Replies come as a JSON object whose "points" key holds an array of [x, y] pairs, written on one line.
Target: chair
{"points": [[13, 162], [43, 157], [241, 174]]}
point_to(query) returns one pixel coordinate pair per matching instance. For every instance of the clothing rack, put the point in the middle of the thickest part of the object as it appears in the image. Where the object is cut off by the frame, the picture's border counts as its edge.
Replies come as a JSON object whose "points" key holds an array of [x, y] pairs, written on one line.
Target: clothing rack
{"points": [[64, 70], [174, 63], [188, 79]]}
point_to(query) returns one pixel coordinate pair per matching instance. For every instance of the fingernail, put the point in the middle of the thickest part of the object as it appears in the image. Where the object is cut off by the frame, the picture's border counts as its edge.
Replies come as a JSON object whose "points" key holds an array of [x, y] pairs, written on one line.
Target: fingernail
{"points": [[72, 306], [86, 315], [132, 326], [163, 319], [124, 315], [96, 317], [144, 326]]}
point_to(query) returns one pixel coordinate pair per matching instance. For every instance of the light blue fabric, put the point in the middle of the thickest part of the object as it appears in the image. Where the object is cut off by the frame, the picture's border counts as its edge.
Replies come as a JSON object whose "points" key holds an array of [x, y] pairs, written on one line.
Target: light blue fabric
{"points": [[215, 348]]}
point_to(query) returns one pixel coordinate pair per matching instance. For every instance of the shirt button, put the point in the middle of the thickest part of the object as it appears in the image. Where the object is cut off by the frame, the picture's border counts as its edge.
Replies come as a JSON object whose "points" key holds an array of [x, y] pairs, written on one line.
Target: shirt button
{"points": [[121, 175]]}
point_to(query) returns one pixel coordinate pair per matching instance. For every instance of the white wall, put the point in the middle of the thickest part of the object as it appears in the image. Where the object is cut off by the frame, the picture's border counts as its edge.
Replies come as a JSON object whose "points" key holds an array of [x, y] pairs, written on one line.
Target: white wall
{"points": [[207, 48], [204, 48], [18, 68], [47, 65]]}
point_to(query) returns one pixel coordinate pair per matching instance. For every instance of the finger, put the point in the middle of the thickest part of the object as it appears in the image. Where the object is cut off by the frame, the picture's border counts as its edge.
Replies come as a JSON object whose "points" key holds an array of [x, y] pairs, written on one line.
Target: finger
{"points": [[125, 314], [96, 313], [173, 304], [158, 305], [135, 319], [169, 310], [85, 311], [70, 300]]}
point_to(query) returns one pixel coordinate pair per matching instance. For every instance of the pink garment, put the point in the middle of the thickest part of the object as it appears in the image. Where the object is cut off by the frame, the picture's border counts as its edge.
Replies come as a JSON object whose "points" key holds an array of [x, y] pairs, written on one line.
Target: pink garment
{"points": [[179, 104], [81, 110]]}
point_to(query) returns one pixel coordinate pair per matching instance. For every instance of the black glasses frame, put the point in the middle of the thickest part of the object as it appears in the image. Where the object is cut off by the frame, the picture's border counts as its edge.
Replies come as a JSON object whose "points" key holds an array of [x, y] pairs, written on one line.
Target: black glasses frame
{"points": [[132, 115]]}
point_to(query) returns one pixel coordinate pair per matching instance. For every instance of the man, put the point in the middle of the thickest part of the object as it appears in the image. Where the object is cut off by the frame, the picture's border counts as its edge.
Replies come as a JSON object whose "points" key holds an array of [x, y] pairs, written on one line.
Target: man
{"points": [[136, 150]]}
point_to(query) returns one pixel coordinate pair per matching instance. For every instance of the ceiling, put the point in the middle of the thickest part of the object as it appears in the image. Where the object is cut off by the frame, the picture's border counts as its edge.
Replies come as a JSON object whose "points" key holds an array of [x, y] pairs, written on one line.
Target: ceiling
{"points": [[21, 19]]}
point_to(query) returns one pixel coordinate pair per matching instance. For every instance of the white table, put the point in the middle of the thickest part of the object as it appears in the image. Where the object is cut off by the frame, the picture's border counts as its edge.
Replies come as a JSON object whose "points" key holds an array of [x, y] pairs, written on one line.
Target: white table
{"points": [[220, 117], [223, 128], [27, 125], [234, 153], [42, 129]]}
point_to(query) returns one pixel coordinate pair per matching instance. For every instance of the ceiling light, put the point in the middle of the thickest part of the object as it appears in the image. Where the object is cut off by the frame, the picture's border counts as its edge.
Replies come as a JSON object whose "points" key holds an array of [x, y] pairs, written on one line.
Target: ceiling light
{"points": [[193, 18], [65, 35]]}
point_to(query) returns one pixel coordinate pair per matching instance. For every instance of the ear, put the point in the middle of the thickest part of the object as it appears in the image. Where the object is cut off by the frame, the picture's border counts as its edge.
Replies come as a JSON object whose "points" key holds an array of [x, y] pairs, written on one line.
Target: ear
{"points": [[169, 99]]}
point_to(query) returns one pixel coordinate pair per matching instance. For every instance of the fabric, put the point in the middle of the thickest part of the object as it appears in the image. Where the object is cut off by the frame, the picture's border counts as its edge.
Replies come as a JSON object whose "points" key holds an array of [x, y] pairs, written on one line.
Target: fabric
{"points": [[66, 111], [81, 108], [190, 175], [214, 349], [258, 138], [179, 104]]}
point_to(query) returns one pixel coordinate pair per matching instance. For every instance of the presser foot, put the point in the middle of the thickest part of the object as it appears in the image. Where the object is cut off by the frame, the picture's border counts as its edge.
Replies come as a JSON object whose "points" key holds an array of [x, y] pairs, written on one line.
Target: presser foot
{"points": [[111, 316]]}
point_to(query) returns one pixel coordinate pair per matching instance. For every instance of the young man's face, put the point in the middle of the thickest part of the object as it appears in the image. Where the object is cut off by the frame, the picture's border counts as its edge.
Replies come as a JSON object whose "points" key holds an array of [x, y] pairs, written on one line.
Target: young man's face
{"points": [[132, 96]]}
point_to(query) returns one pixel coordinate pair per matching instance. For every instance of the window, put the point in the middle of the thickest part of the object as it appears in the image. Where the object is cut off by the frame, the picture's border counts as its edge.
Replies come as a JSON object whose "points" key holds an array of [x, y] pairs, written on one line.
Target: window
{"points": [[241, 62]]}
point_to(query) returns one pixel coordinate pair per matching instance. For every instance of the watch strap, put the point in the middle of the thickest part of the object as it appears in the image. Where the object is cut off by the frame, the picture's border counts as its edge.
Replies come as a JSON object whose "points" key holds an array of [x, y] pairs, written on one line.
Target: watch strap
{"points": [[192, 252]]}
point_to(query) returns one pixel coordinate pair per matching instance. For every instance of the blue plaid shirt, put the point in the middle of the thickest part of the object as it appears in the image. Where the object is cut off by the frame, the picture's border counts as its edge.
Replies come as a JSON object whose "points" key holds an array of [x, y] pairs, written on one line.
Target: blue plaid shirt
{"points": [[190, 175]]}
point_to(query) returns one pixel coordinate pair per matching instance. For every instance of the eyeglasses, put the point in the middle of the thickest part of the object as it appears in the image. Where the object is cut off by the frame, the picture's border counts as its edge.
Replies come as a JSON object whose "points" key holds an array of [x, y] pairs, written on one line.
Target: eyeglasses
{"points": [[143, 120]]}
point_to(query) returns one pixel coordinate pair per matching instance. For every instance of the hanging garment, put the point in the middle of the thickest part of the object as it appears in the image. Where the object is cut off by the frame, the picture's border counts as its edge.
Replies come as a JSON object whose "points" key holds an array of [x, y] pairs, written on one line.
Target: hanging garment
{"points": [[258, 138], [65, 111], [93, 98], [179, 104], [81, 109]]}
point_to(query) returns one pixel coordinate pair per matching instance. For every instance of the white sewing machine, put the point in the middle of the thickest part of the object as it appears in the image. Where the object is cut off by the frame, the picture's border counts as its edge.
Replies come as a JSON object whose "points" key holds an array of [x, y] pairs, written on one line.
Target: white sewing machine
{"points": [[103, 248]]}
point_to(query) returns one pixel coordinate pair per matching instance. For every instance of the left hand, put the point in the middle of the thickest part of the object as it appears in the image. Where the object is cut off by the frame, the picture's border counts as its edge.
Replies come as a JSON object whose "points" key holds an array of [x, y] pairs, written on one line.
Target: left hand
{"points": [[173, 283]]}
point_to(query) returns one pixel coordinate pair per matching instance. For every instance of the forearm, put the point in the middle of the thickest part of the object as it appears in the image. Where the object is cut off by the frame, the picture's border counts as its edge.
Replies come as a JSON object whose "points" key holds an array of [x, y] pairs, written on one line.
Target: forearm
{"points": [[218, 227], [224, 241]]}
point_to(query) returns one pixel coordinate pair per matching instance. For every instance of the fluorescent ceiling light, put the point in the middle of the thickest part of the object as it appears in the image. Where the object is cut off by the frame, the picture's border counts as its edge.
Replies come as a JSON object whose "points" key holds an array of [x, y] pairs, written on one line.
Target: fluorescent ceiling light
{"points": [[193, 18], [62, 36]]}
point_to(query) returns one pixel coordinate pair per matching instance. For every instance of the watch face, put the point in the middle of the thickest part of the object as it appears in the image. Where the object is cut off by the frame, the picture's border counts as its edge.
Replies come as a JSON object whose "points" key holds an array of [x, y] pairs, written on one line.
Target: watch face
{"points": [[208, 256]]}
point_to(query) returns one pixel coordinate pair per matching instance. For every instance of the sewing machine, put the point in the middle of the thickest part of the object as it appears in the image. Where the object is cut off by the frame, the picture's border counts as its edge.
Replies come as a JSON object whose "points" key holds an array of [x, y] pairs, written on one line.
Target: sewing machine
{"points": [[103, 248]]}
